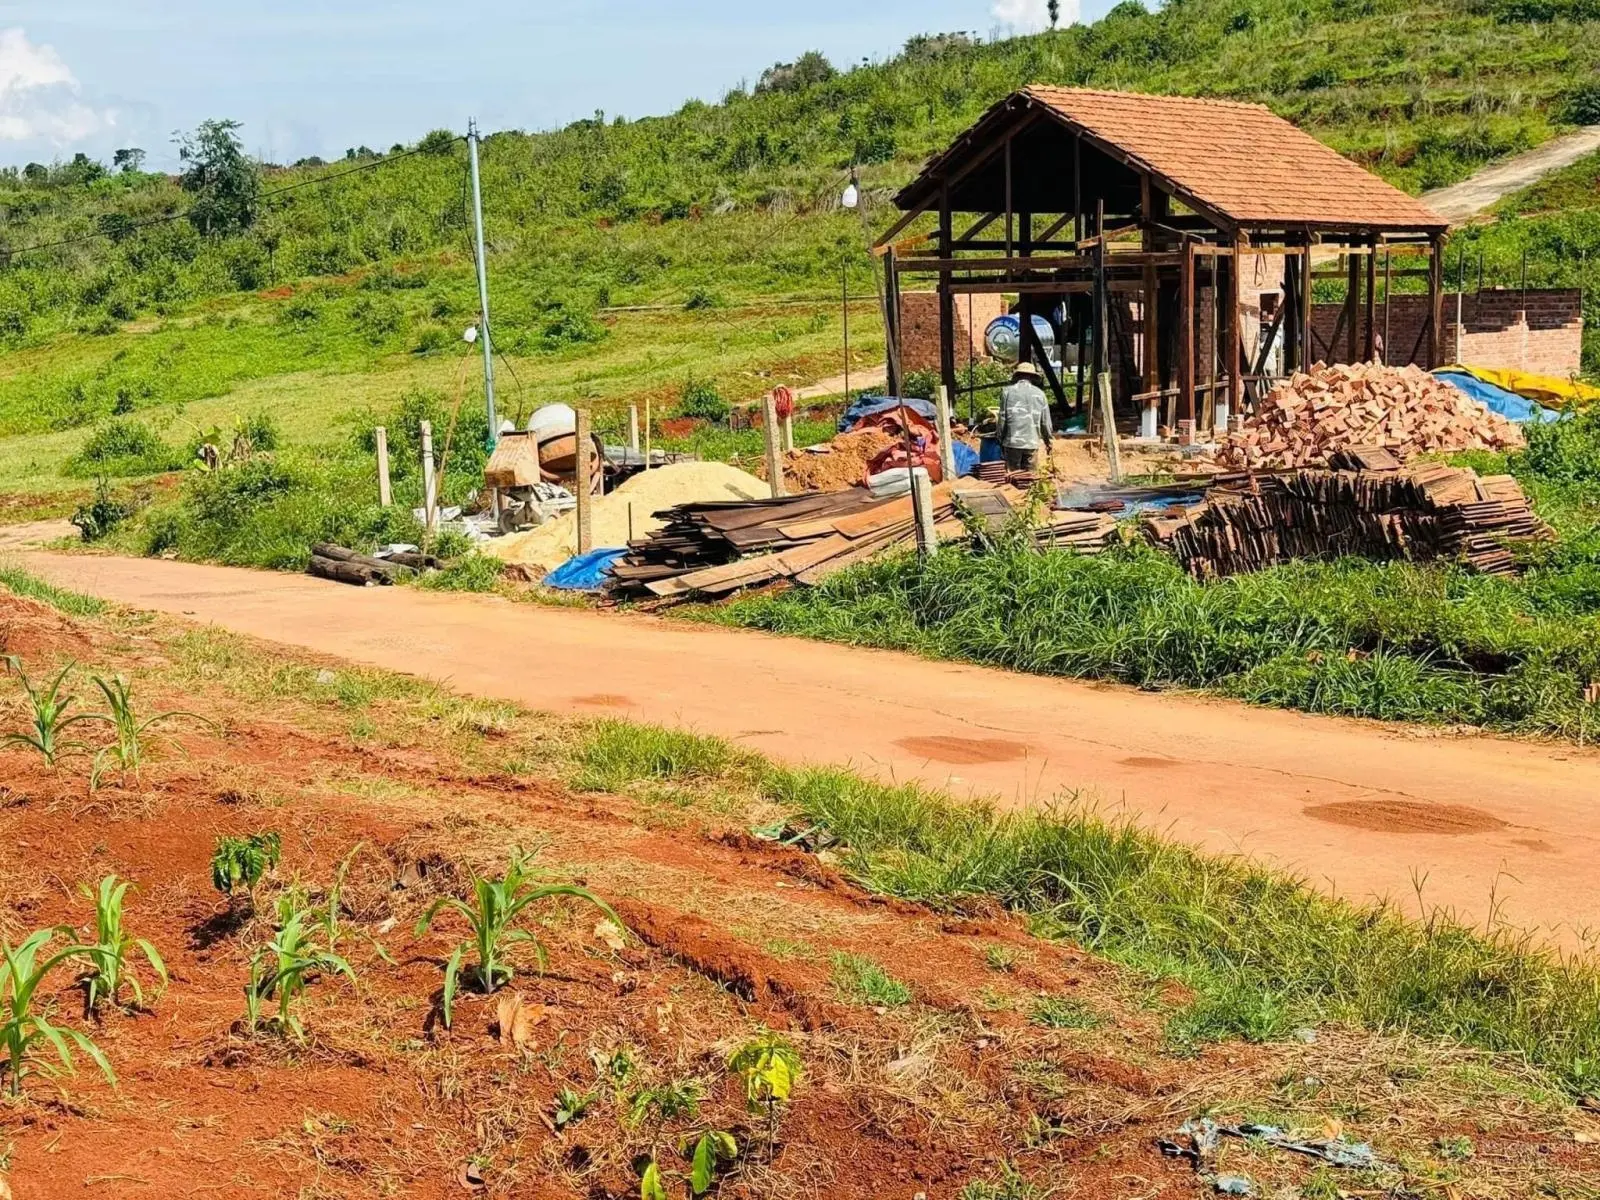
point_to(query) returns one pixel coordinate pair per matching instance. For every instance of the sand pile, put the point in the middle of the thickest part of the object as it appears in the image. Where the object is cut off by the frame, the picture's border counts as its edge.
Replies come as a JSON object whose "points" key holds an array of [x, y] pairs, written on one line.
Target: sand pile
{"points": [[843, 464], [646, 494]]}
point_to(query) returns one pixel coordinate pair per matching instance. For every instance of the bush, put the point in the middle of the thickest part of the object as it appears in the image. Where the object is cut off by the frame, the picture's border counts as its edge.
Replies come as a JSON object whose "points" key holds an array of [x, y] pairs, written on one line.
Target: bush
{"points": [[119, 449], [100, 517], [702, 400], [1581, 106]]}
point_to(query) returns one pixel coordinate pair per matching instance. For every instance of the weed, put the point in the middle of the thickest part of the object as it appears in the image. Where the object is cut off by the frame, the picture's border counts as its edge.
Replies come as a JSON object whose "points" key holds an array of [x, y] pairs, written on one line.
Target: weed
{"points": [[74, 604], [670, 1101], [496, 906], [860, 979], [618, 753], [284, 966], [1064, 1012], [1000, 958], [713, 1151], [1456, 1149], [571, 1106], [470, 573], [99, 516], [48, 709], [244, 861], [113, 946], [1011, 1184], [23, 1030]]}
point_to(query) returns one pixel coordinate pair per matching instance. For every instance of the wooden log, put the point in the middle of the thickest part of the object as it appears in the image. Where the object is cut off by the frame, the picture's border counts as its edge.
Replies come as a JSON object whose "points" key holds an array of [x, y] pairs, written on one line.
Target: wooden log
{"points": [[355, 574]]}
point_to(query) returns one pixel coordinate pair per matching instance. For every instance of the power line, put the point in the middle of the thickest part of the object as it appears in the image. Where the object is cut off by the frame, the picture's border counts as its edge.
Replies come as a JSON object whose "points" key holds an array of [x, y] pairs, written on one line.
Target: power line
{"points": [[168, 218]]}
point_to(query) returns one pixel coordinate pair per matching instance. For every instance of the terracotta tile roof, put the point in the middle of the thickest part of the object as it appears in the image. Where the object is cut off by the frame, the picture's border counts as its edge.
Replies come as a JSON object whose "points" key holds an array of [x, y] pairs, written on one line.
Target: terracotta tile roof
{"points": [[1241, 160]]}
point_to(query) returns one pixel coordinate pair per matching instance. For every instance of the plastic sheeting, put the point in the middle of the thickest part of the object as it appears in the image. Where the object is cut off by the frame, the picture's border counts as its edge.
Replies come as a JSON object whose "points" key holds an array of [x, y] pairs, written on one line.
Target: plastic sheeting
{"points": [[869, 406], [1497, 399], [1551, 391], [585, 572]]}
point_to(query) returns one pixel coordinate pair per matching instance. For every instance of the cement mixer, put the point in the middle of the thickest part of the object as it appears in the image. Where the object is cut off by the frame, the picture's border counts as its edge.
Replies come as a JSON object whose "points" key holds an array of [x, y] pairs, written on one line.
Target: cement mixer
{"points": [[535, 471]]}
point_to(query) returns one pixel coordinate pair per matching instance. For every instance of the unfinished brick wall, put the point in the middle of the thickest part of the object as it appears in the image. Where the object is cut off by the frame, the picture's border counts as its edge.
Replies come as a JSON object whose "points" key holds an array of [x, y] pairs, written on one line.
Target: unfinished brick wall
{"points": [[919, 328], [1539, 331]]}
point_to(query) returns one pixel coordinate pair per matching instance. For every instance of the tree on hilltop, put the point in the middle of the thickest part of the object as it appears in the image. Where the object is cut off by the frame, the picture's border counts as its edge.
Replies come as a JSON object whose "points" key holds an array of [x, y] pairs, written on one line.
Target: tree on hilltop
{"points": [[224, 181]]}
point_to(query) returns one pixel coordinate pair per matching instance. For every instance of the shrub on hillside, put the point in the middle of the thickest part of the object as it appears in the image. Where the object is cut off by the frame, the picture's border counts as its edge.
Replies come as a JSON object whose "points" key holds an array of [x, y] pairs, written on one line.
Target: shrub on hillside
{"points": [[99, 517], [702, 400], [119, 449]]}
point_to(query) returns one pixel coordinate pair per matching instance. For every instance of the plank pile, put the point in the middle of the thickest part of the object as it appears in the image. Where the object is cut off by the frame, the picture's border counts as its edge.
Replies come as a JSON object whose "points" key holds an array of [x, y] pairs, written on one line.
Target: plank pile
{"points": [[718, 548], [1418, 514], [1308, 418]]}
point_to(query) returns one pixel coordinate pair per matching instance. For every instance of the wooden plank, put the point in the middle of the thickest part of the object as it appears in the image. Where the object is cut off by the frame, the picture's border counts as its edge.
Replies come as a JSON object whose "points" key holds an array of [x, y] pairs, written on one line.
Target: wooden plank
{"points": [[900, 509]]}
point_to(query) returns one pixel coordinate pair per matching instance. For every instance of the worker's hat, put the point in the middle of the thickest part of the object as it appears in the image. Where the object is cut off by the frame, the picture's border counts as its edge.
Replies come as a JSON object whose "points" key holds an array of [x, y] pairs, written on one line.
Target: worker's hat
{"points": [[1026, 368]]}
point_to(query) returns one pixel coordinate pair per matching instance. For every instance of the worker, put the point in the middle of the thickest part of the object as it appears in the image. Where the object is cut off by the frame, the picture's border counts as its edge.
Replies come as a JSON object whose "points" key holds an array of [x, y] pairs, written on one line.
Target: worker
{"points": [[1024, 420]]}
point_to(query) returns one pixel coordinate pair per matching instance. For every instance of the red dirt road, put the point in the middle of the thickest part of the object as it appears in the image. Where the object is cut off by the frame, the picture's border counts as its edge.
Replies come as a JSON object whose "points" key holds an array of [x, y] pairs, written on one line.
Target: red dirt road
{"points": [[1360, 808]]}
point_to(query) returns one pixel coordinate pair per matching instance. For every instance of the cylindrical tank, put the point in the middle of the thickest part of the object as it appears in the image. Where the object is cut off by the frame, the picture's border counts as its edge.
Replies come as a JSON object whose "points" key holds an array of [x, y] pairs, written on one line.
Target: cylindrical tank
{"points": [[1004, 336]]}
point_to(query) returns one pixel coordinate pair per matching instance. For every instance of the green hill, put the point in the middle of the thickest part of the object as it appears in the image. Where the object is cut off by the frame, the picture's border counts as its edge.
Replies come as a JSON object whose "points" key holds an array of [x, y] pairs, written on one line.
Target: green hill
{"points": [[630, 255]]}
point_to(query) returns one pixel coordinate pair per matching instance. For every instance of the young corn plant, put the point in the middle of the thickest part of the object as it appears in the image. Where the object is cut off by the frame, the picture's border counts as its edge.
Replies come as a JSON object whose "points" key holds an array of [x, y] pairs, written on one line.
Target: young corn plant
{"points": [[282, 968], [27, 1035], [492, 916], [128, 749], [330, 915], [48, 711], [110, 965]]}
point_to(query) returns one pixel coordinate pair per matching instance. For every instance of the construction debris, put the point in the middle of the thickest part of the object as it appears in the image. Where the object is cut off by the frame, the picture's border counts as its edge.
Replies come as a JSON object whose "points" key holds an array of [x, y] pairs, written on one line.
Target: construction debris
{"points": [[1418, 513], [1311, 416]]}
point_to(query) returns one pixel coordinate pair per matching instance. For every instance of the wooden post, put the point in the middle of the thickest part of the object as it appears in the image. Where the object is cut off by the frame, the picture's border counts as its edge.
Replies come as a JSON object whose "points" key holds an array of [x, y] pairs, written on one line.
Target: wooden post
{"points": [[1388, 294], [947, 448], [1435, 300], [1352, 300], [947, 300], [429, 505], [1214, 305], [1308, 354], [1233, 357], [1149, 418], [1369, 343], [1186, 337], [891, 320], [385, 491], [633, 428], [583, 484], [769, 424], [788, 432], [647, 433], [922, 486], [1108, 418]]}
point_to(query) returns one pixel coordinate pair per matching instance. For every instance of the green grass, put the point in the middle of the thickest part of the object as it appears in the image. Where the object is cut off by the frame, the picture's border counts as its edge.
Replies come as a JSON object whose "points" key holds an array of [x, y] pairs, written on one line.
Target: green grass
{"points": [[863, 981], [75, 604], [1262, 952], [1064, 1012]]}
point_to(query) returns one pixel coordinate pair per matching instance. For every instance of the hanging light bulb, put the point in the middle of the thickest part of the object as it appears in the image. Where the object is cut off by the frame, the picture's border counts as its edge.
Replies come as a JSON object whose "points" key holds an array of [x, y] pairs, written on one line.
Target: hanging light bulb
{"points": [[471, 335], [852, 195]]}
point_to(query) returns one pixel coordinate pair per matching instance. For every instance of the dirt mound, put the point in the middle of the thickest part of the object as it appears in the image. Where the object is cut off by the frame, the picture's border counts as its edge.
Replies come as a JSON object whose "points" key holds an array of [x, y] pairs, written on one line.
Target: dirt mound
{"points": [[1406, 816], [38, 635], [834, 466], [1308, 417], [629, 509]]}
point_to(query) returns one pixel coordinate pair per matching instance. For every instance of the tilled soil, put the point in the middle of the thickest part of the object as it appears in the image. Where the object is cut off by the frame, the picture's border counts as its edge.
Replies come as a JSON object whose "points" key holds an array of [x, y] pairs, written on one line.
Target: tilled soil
{"points": [[1012, 1054]]}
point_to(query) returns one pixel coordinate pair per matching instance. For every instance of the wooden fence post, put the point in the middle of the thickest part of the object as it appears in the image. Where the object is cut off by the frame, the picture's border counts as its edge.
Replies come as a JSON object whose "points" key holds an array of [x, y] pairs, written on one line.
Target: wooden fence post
{"points": [[583, 483], [947, 449], [429, 505], [633, 428], [769, 425], [385, 491]]}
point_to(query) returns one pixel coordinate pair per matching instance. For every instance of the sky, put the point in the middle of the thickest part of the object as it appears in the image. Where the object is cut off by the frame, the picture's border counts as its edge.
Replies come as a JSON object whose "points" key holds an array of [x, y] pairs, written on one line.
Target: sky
{"points": [[319, 76]]}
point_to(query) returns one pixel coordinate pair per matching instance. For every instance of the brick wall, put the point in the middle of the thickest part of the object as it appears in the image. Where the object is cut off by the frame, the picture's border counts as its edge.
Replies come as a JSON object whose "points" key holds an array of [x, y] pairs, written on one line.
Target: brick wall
{"points": [[919, 328], [1496, 330]]}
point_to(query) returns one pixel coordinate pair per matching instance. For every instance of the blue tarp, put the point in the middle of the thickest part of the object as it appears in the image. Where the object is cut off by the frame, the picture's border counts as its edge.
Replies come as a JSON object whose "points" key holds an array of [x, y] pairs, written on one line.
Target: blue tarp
{"points": [[869, 406], [586, 572], [1496, 399], [966, 458]]}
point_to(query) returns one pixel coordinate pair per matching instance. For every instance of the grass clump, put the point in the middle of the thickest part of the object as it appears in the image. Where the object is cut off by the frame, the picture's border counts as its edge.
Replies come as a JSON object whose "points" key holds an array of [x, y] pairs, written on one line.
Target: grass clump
{"points": [[122, 448], [1064, 1012], [74, 604], [618, 753], [864, 981]]}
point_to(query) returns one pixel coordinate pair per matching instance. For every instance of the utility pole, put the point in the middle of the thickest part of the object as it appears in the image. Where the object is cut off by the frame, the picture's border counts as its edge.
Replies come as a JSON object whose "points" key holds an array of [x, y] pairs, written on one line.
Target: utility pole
{"points": [[483, 285]]}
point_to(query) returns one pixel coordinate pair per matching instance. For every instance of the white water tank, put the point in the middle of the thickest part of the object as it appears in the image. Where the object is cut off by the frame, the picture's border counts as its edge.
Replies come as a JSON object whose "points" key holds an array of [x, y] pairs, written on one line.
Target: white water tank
{"points": [[552, 421]]}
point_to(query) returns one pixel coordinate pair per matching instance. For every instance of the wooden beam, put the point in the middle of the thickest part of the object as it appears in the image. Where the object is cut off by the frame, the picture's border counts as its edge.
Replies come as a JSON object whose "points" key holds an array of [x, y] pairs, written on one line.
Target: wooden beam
{"points": [[1352, 307], [1060, 224], [1231, 362], [1008, 196], [1369, 341], [1186, 339], [947, 305], [1436, 302], [1307, 303], [1016, 264], [982, 224]]}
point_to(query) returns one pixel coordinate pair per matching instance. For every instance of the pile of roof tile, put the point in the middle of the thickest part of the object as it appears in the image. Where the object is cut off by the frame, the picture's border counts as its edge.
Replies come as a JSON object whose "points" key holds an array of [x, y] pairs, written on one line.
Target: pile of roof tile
{"points": [[1419, 513], [1310, 416]]}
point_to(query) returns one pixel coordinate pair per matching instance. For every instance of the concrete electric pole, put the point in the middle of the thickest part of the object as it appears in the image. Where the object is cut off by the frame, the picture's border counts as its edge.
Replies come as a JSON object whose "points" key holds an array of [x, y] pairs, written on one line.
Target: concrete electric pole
{"points": [[483, 286]]}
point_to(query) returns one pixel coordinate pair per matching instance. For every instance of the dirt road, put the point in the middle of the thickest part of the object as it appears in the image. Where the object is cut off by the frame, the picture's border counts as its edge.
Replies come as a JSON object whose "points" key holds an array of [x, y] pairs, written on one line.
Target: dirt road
{"points": [[1359, 808], [1462, 201]]}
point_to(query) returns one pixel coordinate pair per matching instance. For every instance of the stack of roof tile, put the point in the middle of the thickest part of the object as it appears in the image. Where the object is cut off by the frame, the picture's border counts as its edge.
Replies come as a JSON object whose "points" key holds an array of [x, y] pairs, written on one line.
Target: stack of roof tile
{"points": [[1308, 418]]}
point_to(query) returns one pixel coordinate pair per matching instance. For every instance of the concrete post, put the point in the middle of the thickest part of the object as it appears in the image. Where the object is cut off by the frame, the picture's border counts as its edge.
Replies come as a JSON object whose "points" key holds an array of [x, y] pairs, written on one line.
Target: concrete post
{"points": [[947, 449], [769, 424], [385, 491]]}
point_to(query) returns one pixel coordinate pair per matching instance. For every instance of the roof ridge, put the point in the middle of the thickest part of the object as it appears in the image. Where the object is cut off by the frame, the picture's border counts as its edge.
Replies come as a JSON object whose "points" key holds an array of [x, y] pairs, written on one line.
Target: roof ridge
{"points": [[1253, 105]]}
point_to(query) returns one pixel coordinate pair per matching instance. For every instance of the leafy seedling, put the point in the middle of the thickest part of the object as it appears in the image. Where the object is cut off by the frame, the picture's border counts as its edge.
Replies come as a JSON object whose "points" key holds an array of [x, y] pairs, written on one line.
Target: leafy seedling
{"points": [[571, 1106], [114, 948], [48, 713], [667, 1101], [129, 747], [769, 1067], [284, 966], [713, 1153], [491, 916], [243, 862], [650, 1184], [330, 915], [24, 1031]]}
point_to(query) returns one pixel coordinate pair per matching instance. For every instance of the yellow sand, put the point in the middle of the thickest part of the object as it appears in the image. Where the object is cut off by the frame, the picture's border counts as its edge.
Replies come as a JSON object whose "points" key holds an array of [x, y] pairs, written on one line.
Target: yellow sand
{"points": [[647, 493]]}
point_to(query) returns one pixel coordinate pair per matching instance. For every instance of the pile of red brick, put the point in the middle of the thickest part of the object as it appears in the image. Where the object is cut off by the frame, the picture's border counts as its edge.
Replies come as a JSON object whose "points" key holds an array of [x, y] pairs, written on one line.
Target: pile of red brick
{"points": [[1309, 417]]}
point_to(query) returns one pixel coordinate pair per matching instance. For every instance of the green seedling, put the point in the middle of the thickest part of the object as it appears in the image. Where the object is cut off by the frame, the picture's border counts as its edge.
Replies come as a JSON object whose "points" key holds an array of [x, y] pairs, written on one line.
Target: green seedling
{"points": [[571, 1106], [769, 1067], [492, 916], [334, 929], [47, 709], [713, 1152], [284, 966], [650, 1185], [128, 750], [244, 862], [23, 1030], [668, 1101], [114, 947]]}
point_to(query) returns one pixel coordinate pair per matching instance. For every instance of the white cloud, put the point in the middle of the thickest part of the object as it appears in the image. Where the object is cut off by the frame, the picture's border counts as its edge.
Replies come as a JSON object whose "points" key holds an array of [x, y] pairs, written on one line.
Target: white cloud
{"points": [[1030, 16], [40, 99]]}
